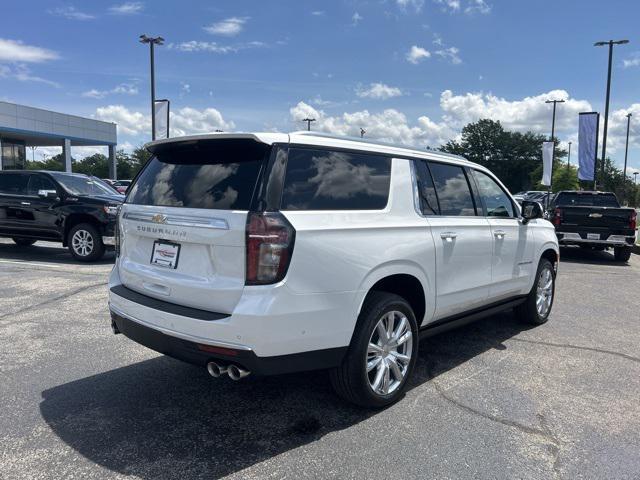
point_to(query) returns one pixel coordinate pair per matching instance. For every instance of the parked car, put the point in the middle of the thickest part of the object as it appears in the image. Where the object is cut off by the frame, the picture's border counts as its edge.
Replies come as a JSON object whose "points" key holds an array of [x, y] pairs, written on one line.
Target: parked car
{"points": [[528, 195], [122, 185], [70, 208], [594, 220], [275, 253]]}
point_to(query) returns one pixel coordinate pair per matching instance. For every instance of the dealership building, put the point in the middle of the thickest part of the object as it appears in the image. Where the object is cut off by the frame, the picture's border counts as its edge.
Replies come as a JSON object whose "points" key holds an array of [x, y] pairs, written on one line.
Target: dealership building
{"points": [[22, 127]]}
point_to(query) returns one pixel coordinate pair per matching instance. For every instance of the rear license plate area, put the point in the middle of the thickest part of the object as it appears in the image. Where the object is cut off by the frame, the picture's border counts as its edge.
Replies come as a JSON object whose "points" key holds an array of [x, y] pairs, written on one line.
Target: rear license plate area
{"points": [[165, 254]]}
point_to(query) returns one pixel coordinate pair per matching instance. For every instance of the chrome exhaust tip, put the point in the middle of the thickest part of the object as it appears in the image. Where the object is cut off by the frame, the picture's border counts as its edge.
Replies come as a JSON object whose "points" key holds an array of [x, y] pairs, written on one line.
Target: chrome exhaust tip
{"points": [[216, 370], [237, 373]]}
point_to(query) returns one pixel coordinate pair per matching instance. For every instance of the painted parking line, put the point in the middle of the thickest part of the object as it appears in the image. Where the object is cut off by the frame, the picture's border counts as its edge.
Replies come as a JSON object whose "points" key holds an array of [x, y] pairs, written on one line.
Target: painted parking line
{"points": [[17, 262]]}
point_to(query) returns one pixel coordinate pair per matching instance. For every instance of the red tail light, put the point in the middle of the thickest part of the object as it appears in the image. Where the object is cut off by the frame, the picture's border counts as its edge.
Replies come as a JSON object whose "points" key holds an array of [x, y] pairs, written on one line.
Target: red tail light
{"points": [[633, 220], [269, 244], [557, 217]]}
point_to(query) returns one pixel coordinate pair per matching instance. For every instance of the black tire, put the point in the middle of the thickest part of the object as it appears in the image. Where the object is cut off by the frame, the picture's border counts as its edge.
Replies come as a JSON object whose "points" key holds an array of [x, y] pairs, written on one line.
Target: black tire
{"points": [[527, 311], [23, 242], [622, 254], [94, 248], [351, 380]]}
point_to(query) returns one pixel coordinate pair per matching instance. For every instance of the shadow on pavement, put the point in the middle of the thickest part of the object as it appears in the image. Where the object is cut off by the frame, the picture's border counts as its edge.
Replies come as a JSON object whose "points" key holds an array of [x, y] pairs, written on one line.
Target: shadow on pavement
{"points": [[161, 418], [572, 254], [46, 252]]}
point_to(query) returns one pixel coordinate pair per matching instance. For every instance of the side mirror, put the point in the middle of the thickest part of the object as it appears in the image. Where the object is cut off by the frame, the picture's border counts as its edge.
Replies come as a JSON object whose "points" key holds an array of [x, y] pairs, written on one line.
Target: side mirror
{"points": [[531, 210], [51, 194]]}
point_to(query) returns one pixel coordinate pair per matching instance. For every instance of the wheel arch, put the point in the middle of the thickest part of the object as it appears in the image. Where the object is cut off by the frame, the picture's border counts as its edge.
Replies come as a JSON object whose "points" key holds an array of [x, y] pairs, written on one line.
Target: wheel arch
{"points": [[76, 219], [405, 279]]}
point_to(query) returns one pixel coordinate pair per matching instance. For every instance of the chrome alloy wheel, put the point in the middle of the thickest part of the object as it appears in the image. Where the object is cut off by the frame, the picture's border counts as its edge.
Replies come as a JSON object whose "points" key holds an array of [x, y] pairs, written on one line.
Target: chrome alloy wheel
{"points": [[544, 293], [389, 353], [82, 243]]}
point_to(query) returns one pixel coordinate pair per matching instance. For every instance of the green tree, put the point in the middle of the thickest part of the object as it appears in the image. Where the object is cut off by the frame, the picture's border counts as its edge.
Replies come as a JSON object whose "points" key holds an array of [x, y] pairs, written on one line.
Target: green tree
{"points": [[55, 163], [511, 156]]}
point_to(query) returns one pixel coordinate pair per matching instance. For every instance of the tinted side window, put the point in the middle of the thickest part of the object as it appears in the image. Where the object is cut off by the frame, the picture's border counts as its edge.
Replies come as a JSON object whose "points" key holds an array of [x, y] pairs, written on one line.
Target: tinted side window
{"points": [[453, 190], [495, 199], [328, 180], [426, 189], [13, 183], [39, 182]]}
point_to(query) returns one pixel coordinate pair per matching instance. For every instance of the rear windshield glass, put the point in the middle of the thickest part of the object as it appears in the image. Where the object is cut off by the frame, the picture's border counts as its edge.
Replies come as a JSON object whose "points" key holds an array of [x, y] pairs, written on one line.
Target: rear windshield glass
{"points": [[217, 174], [587, 200], [332, 180]]}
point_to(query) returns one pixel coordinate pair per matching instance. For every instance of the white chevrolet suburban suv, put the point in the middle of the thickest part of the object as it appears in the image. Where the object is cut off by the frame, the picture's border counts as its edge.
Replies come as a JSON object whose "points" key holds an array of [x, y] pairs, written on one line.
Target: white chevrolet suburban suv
{"points": [[273, 253]]}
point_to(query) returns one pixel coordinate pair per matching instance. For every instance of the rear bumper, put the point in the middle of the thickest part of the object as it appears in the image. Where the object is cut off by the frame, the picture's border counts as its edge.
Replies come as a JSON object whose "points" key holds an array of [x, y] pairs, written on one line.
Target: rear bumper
{"points": [[201, 354], [575, 238]]}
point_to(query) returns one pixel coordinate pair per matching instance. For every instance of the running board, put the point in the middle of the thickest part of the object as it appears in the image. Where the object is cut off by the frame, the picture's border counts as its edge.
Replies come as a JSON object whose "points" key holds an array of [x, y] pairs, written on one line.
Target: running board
{"points": [[459, 320]]}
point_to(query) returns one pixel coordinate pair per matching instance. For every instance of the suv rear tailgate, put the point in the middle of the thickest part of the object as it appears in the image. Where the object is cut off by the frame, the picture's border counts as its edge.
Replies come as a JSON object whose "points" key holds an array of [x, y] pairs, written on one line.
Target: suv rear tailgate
{"points": [[183, 223]]}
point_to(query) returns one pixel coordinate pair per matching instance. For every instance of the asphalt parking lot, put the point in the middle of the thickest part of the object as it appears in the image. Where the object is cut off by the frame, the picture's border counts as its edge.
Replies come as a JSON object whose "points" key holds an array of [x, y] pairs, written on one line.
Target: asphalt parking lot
{"points": [[491, 400]]}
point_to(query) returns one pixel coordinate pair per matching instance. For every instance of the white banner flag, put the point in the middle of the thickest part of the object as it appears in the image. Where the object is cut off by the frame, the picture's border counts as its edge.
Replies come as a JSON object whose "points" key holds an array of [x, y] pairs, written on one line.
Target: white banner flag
{"points": [[161, 115], [587, 144], [547, 163]]}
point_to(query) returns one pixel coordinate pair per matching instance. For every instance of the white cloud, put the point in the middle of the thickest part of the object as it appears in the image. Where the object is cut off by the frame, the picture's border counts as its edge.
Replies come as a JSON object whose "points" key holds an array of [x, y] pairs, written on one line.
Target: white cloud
{"points": [[450, 54], [228, 27], [71, 13], [378, 91], [129, 122], [356, 18], [389, 125], [449, 5], [470, 6], [478, 6], [127, 8], [17, 51], [527, 114], [632, 61], [185, 121], [416, 54], [122, 89], [416, 4], [22, 73], [318, 13], [213, 47], [190, 121]]}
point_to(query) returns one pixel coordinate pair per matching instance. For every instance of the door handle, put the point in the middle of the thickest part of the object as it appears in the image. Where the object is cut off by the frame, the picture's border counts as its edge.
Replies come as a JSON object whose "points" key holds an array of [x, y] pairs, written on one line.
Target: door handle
{"points": [[499, 233], [25, 203], [448, 236]]}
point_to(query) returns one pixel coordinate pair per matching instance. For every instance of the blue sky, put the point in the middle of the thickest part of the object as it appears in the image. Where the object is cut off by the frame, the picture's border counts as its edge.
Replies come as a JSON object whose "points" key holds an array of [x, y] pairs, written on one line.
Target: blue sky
{"points": [[413, 71]]}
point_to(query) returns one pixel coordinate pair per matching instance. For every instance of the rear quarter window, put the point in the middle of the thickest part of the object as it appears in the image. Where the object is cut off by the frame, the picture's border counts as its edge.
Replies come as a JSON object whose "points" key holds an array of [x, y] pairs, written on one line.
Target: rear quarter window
{"points": [[219, 174], [335, 180]]}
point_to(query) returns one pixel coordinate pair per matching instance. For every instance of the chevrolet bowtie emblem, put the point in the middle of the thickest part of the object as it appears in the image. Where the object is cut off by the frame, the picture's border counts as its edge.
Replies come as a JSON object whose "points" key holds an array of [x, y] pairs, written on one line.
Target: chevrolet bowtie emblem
{"points": [[159, 218], [595, 215]]}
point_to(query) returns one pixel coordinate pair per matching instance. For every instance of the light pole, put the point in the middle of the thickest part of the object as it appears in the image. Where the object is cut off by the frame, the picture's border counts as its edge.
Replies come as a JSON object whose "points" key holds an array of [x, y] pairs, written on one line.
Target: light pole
{"points": [[626, 147], [611, 43], [152, 41], [309, 120], [553, 150], [569, 157]]}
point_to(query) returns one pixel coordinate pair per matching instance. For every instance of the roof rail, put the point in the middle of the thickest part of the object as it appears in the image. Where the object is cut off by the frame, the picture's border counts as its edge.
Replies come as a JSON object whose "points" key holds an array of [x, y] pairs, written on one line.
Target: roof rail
{"points": [[377, 142]]}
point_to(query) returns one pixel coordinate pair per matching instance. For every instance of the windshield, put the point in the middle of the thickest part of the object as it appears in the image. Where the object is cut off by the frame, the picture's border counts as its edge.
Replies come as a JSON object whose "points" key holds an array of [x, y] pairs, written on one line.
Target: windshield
{"points": [[83, 185], [587, 199]]}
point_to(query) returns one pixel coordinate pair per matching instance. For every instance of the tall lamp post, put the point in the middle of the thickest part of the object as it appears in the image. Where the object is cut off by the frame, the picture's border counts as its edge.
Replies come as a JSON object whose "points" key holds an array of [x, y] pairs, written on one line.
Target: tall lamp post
{"points": [[610, 43], [569, 157], [626, 147], [309, 120], [152, 41], [553, 150]]}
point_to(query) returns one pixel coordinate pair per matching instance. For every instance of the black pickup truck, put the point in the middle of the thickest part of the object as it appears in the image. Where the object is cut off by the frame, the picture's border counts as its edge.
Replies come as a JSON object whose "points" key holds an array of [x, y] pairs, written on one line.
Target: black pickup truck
{"points": [[75, 209], [594, 220]]}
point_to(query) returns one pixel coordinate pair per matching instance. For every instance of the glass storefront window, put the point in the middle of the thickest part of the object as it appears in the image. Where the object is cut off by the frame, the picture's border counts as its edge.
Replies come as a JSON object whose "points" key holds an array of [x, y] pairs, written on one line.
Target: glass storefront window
{"points": [[13, 156]]}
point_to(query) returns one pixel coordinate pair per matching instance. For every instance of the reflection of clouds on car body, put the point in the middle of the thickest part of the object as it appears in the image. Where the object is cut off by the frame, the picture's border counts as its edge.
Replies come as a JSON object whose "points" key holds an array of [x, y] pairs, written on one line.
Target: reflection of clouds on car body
{"points": [[338, 170], [162, 191], [203, 191], [453, 194]]}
